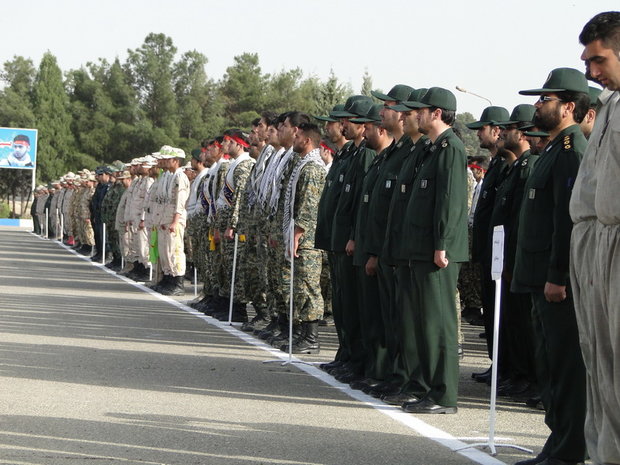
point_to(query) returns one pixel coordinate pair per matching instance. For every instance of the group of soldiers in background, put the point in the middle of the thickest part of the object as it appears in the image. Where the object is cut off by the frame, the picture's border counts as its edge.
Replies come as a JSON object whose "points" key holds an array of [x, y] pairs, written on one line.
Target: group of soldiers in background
{"points": [[368, 222]]}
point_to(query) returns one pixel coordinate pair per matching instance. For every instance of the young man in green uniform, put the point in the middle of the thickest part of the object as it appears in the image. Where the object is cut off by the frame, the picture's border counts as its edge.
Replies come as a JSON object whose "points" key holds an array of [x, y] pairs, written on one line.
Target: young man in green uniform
{"points": [[542, 264], [436, 225]]}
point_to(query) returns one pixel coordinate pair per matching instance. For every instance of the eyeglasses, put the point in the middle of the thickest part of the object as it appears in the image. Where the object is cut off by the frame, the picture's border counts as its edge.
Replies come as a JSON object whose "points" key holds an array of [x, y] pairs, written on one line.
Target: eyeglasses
{"points": [[545, 98]]}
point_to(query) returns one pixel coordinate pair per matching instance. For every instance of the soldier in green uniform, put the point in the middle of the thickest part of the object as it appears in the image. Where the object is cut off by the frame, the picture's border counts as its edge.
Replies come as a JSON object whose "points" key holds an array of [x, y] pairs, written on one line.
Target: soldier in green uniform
{"points": [[349, 181], [516, 342], [371, 321], [436, 224], [488, 131], [542, 264], [404, 384]]}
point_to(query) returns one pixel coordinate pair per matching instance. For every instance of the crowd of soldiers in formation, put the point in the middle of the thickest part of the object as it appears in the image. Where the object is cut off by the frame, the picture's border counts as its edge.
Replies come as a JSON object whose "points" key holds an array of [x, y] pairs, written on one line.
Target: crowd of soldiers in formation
{"points": [[378, 222]]}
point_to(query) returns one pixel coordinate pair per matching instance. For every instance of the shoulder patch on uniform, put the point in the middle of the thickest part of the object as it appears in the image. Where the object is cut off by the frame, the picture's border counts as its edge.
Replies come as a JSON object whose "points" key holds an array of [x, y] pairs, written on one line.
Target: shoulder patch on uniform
{"points": [[524, 163], [444, 143], [427, 142], [568, 142]]}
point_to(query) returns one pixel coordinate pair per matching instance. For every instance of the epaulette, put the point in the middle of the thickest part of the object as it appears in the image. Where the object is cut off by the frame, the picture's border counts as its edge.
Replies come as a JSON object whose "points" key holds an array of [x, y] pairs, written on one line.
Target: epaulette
{"points": [[568, 141], [444, 143]]}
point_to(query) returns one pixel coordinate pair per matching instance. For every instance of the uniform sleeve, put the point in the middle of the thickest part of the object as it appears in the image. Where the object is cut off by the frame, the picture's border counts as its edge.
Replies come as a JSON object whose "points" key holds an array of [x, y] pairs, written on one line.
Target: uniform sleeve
{"points": [[450, 196], [241, 175], [308, 193], [564, 174], [182, 186]]}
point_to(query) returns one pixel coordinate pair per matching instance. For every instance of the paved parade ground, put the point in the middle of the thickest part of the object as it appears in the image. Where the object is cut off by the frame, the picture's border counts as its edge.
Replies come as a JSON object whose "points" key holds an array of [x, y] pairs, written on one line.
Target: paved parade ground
{"points": [[97, 369]]}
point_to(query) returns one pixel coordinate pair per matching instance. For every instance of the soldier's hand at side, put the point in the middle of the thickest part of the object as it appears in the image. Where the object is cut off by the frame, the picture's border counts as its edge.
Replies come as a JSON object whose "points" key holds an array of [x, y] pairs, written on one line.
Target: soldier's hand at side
{"points": [[440, 258], [141, 224], [216, 236], [371, 266], [350, 247], [554, 293], [229, 234]]}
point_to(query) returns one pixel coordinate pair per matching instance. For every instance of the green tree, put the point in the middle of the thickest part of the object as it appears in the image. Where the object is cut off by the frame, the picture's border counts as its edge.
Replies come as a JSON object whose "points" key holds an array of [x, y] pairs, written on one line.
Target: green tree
{"points": [[243, 90], [150, 68], [330, 93], [16, 98], [366, 84], [469, 137], [56, 145]]}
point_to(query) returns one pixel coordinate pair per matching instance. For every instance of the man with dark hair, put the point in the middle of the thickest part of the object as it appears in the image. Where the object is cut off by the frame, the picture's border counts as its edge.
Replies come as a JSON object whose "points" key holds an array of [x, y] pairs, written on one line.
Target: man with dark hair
{"points": [[436, 223], [301, 199], [235, 144], [594, 209], [588, 121], [488, 131], [542, 264], [516, 342]]}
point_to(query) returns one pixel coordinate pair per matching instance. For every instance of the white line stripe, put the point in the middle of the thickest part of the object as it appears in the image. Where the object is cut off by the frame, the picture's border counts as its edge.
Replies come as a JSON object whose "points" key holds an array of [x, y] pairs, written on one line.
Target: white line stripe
{"points": [[407, 419]]}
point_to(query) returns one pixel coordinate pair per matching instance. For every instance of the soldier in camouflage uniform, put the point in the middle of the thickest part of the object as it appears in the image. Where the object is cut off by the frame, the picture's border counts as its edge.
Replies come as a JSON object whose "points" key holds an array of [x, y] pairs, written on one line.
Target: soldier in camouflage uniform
{"points": [[301, 200], [108, 216], [252, 270], [228, 205], [287, 130], [88, 235], [210, 275]]}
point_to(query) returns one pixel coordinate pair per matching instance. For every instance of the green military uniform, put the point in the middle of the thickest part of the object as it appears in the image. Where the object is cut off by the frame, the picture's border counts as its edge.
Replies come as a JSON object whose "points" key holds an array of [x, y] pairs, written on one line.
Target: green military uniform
{"points": [[436, 221], [542, 257]]}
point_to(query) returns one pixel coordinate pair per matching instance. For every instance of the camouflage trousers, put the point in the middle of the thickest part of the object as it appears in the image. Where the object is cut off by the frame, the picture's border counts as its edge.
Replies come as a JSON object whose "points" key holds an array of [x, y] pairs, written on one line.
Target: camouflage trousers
{"points": [[469, 283], [225, 267], [252, 271], [306, 292], [275, 299], [86, 233], [326, 284], [112, 239]]}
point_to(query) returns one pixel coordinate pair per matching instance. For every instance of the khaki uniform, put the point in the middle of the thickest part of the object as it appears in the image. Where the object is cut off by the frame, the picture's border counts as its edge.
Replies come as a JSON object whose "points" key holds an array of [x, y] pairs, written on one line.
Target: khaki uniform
{"points": [[174, 191]]}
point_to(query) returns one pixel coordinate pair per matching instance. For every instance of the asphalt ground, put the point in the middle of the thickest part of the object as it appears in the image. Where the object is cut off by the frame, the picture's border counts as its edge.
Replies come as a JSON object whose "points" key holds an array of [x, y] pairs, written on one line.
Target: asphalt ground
{"points": [[95, 368]]}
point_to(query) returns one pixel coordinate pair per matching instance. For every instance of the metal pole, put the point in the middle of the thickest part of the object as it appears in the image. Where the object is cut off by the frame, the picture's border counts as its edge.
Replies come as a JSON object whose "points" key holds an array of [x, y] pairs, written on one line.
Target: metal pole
{"points": [[232, 282], [290, 295], [460, 89], [195, 282], [47, 215], [62, 226], [103, 244]]}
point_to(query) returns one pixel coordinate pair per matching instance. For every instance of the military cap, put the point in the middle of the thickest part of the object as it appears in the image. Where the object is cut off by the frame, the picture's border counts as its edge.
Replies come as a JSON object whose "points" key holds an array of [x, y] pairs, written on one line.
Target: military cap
{"points": [[124, 175], [594, 93], [437, 97], [178, 153], [522, 115], [346, 111], [187, 166], [330, 117], [561, 80], [196, 154], [91, 177], [373, 115], [490, 116], [398, 93], [412, 99], [166, 152]]}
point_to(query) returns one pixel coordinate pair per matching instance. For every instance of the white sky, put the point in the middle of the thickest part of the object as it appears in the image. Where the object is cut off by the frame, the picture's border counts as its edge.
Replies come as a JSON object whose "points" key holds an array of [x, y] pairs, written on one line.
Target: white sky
{"points": [[493, 48]]}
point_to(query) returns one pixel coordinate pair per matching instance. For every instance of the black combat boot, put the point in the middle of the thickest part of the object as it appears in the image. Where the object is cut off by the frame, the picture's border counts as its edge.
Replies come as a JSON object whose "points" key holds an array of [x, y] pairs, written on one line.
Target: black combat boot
{"points": [[260, 321], [308, 343]]}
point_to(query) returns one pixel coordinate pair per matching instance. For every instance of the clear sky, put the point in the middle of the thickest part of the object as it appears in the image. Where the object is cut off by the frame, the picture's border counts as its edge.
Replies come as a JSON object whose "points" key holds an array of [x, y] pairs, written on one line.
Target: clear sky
{"points": [[492, 48]]}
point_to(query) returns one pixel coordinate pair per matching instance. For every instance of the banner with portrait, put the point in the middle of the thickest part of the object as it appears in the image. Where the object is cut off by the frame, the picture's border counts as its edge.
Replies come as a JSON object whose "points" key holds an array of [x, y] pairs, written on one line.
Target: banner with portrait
{"points": [[18, 148]]}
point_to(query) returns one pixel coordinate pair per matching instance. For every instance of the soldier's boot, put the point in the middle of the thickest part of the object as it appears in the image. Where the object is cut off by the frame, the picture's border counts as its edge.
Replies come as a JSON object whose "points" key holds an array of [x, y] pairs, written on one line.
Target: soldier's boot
{"points": [[217, 305], [203, 301], [136, 272], [163, 283], [266, 333], [189, 272], [309, 343], [239, 313], [280, 337], [260, 321], [143, 274], [298, 333], [115, 264], [87, 250], [175, 288], [129, 272]]}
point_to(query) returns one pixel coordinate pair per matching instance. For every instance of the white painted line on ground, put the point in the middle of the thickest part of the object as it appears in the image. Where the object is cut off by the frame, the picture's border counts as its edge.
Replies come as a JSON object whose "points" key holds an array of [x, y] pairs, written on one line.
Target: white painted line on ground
{"points": [[407, 419]]}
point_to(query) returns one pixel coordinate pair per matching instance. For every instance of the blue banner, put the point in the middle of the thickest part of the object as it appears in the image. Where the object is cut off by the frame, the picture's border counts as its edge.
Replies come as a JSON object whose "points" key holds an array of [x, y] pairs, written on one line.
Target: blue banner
{"points": [[18, 148]]}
